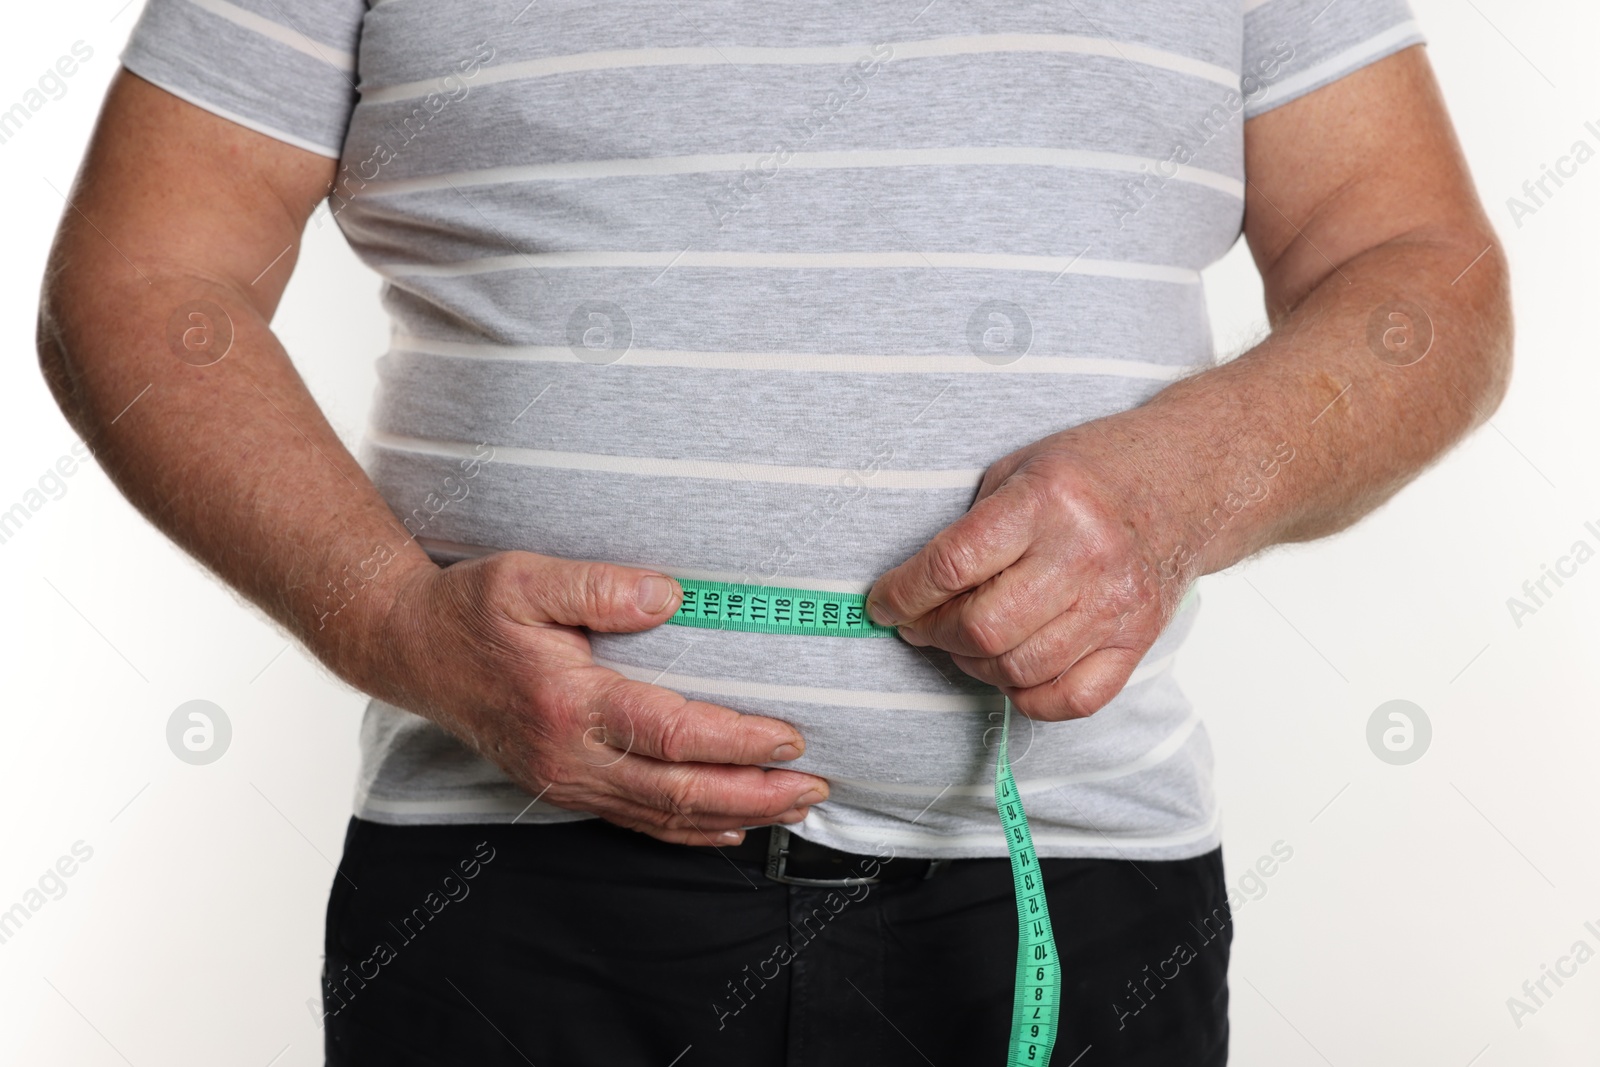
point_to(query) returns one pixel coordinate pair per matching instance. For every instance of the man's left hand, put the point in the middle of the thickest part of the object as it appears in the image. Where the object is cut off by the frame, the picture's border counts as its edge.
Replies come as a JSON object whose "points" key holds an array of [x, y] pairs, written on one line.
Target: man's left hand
{"points": [[1048, 586]]}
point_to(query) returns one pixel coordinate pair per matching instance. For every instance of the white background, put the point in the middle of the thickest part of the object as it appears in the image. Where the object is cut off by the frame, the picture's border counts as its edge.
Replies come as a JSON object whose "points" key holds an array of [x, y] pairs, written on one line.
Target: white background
{"points": [[1418, 899]]}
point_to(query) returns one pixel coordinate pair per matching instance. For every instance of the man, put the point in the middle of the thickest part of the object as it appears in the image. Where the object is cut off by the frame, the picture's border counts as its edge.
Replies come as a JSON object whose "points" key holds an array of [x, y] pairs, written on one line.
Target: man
{"points": [[820, 296]]}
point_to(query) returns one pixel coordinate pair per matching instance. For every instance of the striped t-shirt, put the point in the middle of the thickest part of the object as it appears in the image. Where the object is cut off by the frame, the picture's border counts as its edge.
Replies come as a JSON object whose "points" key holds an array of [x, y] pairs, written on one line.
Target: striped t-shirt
{"points": [[755, 292]]}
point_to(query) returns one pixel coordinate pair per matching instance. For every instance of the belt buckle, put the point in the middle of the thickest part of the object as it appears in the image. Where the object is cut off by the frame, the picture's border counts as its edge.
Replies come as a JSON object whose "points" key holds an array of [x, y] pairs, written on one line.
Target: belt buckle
{"points": [[778, 862]]}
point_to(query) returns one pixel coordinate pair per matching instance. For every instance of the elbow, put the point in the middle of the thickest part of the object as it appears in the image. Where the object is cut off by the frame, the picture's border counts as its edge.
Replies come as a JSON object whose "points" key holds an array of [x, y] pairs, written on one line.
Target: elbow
{"points": [[1491, 329], [51, 347]]}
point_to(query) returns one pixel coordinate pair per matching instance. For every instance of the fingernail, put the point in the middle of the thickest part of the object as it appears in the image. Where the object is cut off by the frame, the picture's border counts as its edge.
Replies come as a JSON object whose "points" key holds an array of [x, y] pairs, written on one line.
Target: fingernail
{"points": [[912, 636], [879, 613], [731, 837], [811, 797], [654, 593], [798, 815], [785, 752]]}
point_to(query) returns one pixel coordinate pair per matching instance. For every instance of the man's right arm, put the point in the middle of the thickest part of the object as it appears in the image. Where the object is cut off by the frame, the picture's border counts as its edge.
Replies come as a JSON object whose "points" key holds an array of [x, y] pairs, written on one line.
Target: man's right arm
{"points": [[235, 462]]}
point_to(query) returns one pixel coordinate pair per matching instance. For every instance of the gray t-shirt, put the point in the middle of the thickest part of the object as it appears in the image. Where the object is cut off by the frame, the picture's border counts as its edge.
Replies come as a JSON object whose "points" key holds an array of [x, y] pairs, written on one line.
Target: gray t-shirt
{"points": [[756, 292]]}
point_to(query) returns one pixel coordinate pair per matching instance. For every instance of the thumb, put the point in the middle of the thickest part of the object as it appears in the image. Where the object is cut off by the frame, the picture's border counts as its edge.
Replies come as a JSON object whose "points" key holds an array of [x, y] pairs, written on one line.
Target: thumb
{"points": [[598, 596]]}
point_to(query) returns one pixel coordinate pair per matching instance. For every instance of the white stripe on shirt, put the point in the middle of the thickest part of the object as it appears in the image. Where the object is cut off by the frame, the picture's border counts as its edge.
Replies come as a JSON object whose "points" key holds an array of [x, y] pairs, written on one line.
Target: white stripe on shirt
{"points": [[711, 469], [823, 362], [879, 700], [818, 55], [1105, 268], [840, 160], [284, 35]]}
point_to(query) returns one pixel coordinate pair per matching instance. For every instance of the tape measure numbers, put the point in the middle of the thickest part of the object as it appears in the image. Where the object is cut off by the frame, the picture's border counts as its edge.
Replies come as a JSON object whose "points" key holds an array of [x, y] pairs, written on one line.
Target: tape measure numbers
{"points": [[1038, 988], [765, 609], [768, 609]]}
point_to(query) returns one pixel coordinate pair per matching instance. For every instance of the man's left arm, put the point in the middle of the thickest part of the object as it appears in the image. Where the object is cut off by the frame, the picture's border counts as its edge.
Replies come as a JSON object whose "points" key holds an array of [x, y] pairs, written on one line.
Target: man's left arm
{"points": [[1386, 289]]}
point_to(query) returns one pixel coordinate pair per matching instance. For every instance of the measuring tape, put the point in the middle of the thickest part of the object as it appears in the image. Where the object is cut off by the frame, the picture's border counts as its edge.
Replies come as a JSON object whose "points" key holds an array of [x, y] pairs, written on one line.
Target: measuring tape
{"points": [[766, 609]]}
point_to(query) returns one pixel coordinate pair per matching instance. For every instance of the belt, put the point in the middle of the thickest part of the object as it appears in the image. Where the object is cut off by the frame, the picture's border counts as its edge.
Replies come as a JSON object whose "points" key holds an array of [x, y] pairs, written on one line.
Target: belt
{"points": [[795, 861]]}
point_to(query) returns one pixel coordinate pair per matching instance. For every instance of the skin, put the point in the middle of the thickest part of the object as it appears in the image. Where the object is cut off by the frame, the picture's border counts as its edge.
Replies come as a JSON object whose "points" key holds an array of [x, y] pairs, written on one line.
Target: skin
{"points": [[1053, 586]]}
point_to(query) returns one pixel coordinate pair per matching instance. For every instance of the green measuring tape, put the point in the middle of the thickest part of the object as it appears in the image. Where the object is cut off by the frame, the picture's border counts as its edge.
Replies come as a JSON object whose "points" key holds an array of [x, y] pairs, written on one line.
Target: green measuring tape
{"points": [[1038, 988], [768, 609]]}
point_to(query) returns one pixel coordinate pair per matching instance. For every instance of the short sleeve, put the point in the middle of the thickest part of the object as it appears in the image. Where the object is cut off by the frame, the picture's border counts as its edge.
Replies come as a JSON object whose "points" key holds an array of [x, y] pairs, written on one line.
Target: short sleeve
{"points": [[1292, 47], [284, 68]]}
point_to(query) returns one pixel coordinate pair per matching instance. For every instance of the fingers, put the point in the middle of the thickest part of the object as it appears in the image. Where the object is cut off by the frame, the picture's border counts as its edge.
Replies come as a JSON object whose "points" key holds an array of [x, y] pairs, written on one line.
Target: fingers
{"points": [[1045, 655], [1001, 614], [534, 590], [694, 790], [713, 830], [704, 836], [656, 722], [1088, 685], [990, 537]]}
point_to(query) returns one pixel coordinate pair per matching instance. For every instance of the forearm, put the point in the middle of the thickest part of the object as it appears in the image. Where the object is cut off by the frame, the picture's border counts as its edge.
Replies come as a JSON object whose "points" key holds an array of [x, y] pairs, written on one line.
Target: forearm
{"points": [[233, 461], [1314, 427]]}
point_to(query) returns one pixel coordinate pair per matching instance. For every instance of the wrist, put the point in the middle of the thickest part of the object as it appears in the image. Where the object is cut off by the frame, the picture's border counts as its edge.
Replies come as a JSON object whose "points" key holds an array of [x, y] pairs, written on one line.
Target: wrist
{"points": [[361, 624], [1202, 499], [1223, 509]]}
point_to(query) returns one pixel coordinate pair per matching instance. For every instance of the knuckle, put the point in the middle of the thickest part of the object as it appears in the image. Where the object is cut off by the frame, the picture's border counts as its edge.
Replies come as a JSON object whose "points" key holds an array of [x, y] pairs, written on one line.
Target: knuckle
{"points": [[558, 775], [592, 590], [951, 564], [557, 706], [1032, 706], [504, 578], [1016, 668], [982, 633], [773, 802], [681, 796], [1078, 701], [674, 738], [494, 572]]}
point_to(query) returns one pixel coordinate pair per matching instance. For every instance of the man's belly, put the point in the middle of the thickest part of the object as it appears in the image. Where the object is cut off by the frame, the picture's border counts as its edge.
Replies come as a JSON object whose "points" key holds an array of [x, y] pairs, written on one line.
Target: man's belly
{"points": [[906, 741]]}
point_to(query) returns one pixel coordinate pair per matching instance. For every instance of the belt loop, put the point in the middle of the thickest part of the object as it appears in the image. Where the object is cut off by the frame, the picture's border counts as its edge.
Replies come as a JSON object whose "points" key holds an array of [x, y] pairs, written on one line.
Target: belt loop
{"points": [[777, 852]]}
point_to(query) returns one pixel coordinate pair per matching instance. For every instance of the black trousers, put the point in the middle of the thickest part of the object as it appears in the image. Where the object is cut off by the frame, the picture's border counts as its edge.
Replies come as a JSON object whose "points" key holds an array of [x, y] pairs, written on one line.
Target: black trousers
{"points": [[583, 943]]}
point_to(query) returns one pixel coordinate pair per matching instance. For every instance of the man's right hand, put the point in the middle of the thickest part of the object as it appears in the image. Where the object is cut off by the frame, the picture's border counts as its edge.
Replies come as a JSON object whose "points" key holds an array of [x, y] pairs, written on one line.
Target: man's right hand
{"points": [[494, 651]]}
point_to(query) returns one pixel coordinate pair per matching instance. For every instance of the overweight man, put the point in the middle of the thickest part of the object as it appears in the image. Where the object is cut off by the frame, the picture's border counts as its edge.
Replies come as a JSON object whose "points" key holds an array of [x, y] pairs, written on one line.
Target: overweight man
{"points": [[896, 299]]}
